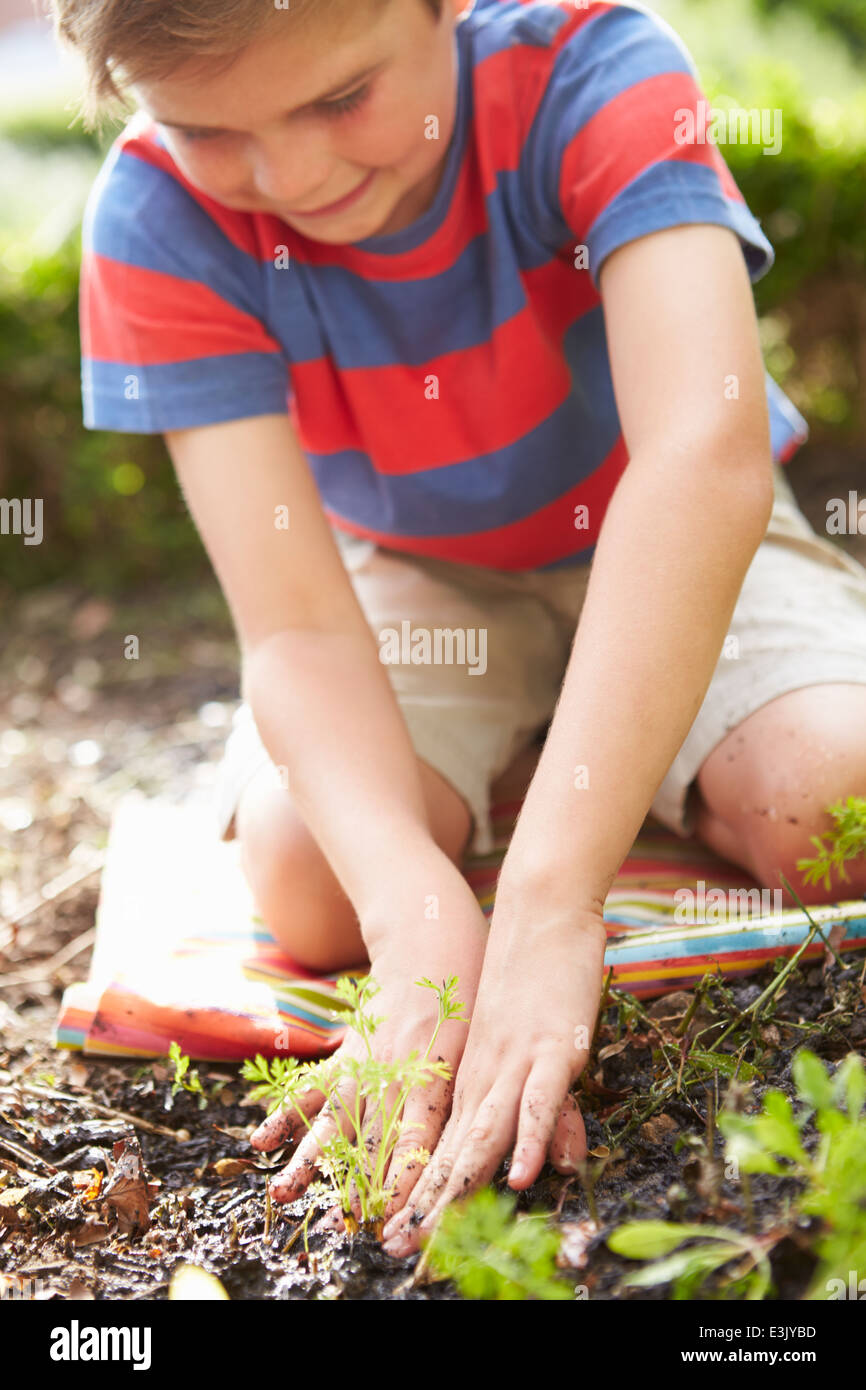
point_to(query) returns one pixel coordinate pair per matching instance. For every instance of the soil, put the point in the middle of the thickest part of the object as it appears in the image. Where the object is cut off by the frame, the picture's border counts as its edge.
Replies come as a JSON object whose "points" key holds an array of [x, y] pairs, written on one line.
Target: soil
{"points": [[82, 726]]}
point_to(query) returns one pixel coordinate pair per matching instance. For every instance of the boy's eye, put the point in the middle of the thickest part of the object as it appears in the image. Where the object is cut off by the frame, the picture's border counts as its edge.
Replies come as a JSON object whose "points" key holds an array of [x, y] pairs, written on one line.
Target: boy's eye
{"points": [[339, 107], [346, 103]]}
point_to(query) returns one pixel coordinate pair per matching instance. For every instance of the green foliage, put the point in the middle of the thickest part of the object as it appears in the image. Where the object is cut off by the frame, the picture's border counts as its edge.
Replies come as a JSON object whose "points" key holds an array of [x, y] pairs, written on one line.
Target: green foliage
{"points": [[833, 1190], [355, 1165], [184, 1079], [845, 18], [688, 1270], [834, 1175], [492, 1256], [847, 840]]}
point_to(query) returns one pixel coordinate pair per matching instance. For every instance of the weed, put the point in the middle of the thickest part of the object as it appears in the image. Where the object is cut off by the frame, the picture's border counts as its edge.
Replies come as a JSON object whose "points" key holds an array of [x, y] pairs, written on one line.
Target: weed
{"points": [[833, 1191], [688, 1269], [845, 841], [492, 1256], [184, 1079], [354, 1163]]}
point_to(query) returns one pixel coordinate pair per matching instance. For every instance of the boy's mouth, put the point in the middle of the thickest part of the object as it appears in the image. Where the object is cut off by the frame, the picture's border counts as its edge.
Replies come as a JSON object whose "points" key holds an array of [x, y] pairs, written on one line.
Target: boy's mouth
{"points": [[328, 208]]}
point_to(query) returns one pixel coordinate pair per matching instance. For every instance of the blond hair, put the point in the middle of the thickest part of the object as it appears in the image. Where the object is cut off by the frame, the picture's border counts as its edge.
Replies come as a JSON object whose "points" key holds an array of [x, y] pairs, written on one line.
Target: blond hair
{"points": [[127, 41]]}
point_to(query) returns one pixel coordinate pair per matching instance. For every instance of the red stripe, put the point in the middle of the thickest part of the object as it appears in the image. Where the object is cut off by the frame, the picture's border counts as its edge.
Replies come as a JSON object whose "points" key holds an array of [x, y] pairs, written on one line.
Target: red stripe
{"points": [[255, 233], [790, 449], [629, 134], [164, 319], [543, 538], [509, 86], [489, 396]]}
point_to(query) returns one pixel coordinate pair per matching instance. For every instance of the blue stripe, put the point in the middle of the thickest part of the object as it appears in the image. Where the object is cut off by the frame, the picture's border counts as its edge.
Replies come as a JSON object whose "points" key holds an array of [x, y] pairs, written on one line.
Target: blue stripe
{"points": [[179, 395], [675, 193], [131, 197]]}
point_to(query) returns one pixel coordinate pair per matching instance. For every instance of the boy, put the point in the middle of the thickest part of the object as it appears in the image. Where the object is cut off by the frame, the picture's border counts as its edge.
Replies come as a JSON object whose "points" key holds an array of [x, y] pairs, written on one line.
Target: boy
{"points": [[434, 306]]}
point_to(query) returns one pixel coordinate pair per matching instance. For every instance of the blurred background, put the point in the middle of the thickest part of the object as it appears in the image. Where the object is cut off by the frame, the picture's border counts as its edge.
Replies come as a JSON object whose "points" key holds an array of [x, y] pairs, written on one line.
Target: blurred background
{"points": [[79, 724]]}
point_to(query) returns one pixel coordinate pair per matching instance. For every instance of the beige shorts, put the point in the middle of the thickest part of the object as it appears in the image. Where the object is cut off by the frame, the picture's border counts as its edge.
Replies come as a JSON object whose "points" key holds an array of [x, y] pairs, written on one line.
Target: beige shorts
{"points": [[483, 690]]}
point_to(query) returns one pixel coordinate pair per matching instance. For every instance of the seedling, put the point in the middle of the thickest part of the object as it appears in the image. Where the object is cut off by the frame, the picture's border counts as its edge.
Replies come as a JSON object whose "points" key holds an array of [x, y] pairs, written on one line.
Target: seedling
{"points": [[833, 1190], [184, 1079], [354, 1161], [845, 841], [490, 1255], [689, 1269]]}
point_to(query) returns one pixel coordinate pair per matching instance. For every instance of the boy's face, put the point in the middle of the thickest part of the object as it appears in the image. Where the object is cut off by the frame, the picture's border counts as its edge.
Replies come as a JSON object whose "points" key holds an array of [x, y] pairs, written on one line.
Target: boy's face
{"points": [[290, 132]]}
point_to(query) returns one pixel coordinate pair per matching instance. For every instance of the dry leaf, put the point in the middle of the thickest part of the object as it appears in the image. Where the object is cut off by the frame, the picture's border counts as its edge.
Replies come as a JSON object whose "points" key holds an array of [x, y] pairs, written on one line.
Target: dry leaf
{"points": [[79, 1291], [91, 1231], [128, 1191], [77, 1074], [12, 1210], [612, 1050], [87, 1182], [232, 1167]]}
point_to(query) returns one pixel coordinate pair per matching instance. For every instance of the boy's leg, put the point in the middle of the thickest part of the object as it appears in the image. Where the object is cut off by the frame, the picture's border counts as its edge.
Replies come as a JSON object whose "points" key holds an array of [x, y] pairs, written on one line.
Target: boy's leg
{"points": [[470, 722], [763, 792], [294, 887], [781, 734]]}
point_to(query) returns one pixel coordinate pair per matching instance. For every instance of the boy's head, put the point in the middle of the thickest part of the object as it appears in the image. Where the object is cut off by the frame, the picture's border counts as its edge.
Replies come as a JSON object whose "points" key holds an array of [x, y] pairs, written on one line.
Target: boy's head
{"points": [[285, 110]]}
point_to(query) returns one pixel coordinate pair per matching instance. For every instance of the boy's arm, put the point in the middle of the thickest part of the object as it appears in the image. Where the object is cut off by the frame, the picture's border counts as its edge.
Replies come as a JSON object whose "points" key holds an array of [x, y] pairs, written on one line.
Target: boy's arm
{"points": [[676, 542], [326, 712], [310, 670]]}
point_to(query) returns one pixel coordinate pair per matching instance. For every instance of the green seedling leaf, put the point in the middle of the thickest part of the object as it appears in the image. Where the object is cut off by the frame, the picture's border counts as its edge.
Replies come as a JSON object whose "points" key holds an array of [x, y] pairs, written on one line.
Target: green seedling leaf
{"points": [[691, 1265], [849, 1084], [724, 1064], [492, 1256], [812, 1080], [643, 1240]]}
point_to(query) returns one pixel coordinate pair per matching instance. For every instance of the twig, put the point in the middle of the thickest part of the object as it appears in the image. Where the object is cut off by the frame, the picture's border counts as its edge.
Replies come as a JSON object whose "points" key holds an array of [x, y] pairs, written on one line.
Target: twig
{"points": [[86, 1103], [46, 968], [26, 1156], [40, 899]]}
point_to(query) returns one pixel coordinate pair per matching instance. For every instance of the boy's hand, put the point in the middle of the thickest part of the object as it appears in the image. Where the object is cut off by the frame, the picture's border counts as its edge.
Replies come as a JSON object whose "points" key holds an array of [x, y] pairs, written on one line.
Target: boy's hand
{"points": [[529, 1040], [451, 945]]}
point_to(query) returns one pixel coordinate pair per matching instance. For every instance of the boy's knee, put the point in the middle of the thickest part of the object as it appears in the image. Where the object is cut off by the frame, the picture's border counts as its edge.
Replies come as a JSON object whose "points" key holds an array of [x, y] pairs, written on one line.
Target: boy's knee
{"points": [[778, 846], [295, 891]]}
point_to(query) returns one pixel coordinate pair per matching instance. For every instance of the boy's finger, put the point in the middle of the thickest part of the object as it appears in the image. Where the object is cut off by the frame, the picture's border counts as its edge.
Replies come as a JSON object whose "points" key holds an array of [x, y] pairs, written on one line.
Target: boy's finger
{"points": [[286, 1123], [568, 1145], [297, 1175], [424, 1118], [540, 1107]]}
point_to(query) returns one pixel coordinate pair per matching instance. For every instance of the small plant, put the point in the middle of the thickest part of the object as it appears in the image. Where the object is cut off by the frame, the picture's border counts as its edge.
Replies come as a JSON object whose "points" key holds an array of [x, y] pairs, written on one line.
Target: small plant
{"points": [[354, 1164], [689, 1269], [834, 1176], [184, 1079], [490, 1255], [845, 841], [833, 1180]]}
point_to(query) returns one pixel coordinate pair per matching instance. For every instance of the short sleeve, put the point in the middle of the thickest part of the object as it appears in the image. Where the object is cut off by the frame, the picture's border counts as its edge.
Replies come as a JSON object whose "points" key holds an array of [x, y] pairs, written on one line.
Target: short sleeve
{"points": [[623, 140], [172, 333]]}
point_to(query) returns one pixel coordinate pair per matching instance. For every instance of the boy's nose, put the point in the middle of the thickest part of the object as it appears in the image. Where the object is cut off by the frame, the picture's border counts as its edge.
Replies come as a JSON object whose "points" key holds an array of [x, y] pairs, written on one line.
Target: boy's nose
{"points": [[299, 179]]}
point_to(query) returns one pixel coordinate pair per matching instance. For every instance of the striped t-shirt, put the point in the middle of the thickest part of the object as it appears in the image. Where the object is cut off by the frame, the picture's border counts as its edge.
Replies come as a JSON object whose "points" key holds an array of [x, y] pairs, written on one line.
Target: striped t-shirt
{"points": [[449, 382]]}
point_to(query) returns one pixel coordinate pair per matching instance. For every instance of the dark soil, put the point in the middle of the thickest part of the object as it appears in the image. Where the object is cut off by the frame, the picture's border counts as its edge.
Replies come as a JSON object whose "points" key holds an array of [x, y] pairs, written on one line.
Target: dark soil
{"points": [[82, 726]]}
